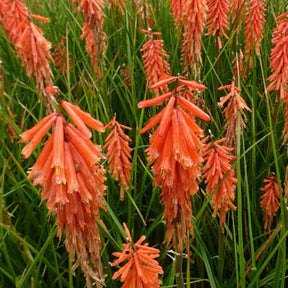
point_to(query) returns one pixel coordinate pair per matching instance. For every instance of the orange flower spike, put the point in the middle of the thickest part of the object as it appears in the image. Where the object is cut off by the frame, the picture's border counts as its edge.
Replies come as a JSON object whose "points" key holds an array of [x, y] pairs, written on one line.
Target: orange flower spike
{"points": [[254, 26], [118, 154], [218, 173], [195, 110], [177, 9], [155, 62], [270, 200], [279, 57], [37, 137], [29, 134], [141, 270], [194, 16], [218, 19]]}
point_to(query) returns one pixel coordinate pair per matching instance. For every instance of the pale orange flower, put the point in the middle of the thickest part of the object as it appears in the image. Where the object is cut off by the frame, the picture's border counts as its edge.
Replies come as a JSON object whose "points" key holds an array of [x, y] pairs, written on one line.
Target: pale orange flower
{"points": [[31, 46], [193, 25], [93, 32], [174, 152], [235, 104], [220, 177], [177, 9], [279, 56], [218, 19], [279, 64], [71, 176], [141, 268], [270, 200], [254, 28], [155, 59], [119, 154]]}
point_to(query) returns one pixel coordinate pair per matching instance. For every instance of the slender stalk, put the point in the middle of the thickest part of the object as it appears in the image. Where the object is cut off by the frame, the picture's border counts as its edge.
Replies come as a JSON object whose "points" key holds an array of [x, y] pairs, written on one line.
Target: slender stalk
{"points": [[250, 228], [240, 207], [178, 261], [178, 270], [221, 257]]}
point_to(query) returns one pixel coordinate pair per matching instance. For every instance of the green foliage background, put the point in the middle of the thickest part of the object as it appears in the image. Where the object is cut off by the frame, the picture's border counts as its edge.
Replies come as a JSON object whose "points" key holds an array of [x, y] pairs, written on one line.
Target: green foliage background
{"points": [[30, 253]]}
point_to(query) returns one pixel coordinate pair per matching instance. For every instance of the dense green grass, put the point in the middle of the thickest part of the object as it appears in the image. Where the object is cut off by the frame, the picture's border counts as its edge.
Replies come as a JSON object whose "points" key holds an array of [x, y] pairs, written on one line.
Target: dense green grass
{"points": [[32, 255]]}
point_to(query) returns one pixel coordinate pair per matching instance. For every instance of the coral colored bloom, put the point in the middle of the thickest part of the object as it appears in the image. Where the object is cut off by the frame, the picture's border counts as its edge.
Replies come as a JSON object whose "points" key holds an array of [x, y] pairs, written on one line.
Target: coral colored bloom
{"points": [[193, 25], [71, 176], [270, 200], [235, 104], [174, 152], [279, 64], [93, 32], [218, 19], [155, 59], [219, 176], [177, 9], [31, 46], [254, 27], [279, 56], [141, 268], [118, 154]]}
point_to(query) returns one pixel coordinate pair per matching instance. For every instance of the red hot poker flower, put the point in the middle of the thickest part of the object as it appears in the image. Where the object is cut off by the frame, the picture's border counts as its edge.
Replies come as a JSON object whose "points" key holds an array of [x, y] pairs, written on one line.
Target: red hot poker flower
{"points": [[235, 104], [254, 25], [93, 32], [67, 158], [177, 11], [119, 154], [279, 57], [219, 176], [141, 269], [270, 200], [176, 160], [31, 46], [154, 56], [193, 25], [218, 19]]}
